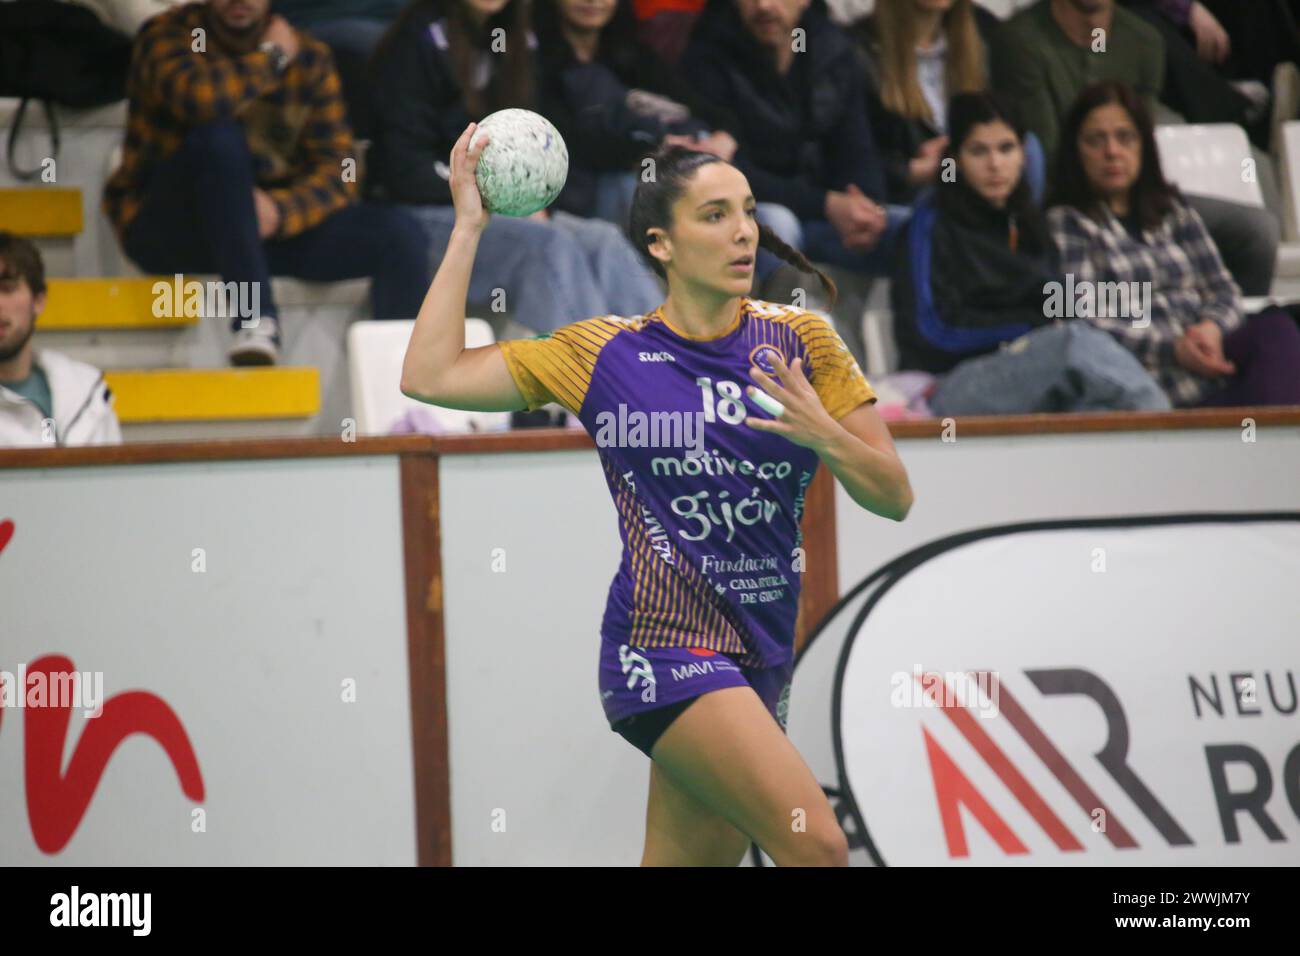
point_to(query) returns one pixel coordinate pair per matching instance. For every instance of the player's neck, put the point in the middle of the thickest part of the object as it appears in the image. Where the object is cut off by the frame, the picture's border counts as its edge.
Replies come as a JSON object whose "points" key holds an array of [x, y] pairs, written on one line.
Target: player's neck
{"points": [[701, 316]]}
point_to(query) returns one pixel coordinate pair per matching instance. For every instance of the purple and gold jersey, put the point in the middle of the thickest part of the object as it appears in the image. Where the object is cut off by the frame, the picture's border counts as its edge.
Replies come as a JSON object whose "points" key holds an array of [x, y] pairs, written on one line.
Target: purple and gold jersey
{"points": [[708, 507]]}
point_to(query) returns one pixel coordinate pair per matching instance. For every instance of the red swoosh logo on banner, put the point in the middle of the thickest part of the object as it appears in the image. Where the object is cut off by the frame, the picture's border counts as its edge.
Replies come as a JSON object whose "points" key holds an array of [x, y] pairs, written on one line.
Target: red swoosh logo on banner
{"points": [[1001, 765], [56, 802], [6, 532]]}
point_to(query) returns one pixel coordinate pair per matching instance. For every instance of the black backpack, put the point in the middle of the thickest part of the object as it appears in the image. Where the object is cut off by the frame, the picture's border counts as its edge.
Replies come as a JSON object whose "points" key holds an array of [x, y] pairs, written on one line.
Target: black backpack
{"points": [[61, 53]]}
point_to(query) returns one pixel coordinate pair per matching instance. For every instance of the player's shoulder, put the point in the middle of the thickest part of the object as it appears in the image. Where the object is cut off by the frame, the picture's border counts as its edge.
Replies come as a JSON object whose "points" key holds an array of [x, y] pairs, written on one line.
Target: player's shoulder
{"points": [[590, 336], [606, 326], [802, 321], [815, 330]]}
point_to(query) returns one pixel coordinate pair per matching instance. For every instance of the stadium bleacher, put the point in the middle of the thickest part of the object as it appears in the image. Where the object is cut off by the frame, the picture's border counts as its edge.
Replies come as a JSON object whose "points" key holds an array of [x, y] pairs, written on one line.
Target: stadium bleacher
{"points": [[98, 307]]}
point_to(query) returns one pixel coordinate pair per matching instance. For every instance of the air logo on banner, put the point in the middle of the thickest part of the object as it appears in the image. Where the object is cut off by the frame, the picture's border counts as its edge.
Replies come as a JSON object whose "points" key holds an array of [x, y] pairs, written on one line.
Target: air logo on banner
{"points": [[953, 789], [1172, 737], [57, 801]]}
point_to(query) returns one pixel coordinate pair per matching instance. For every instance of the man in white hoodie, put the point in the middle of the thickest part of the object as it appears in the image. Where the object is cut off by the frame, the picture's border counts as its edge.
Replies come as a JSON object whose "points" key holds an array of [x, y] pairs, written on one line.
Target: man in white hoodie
{"points": [[46, 399]]}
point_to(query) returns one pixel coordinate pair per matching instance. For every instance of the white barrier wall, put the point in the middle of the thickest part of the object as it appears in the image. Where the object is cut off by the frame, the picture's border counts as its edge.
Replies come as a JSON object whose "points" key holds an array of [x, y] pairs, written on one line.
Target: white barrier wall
{"points": [[225, 605], [537, 777], [529, 741]]}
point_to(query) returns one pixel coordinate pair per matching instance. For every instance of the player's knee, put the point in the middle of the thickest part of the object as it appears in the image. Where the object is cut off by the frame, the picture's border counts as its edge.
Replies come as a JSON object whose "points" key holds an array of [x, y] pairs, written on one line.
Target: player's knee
{"points": [[723, 848], [727, 850], [822, 844], [832, 846]]}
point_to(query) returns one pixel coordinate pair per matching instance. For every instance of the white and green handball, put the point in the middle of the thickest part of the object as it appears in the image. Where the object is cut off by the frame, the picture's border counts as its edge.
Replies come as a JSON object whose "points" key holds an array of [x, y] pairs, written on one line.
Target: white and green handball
{"points": [[524, 165]]}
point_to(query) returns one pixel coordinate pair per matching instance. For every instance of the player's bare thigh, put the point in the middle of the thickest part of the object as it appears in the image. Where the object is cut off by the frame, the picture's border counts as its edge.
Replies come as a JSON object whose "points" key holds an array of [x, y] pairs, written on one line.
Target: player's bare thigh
{"points": [[681, 831], [727, 753]]}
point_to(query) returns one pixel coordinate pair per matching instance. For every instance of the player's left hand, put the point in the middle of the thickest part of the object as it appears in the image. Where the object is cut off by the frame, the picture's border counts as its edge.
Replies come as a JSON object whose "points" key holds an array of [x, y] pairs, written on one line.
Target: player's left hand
{"points": [[805, 420]]}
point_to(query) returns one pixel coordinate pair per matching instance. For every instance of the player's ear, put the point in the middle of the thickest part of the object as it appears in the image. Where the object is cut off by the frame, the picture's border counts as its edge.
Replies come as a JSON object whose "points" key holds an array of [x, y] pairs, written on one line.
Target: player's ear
{"points": [[660, 246]]}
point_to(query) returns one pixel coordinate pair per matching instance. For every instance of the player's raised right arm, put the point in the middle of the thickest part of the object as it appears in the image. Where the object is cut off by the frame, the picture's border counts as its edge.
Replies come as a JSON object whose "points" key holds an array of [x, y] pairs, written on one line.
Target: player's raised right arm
{"points": [[438, 369]]}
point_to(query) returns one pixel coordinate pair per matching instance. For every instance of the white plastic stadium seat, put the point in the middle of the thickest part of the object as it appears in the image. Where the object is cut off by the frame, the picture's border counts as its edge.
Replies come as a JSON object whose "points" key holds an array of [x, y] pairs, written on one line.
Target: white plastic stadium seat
{"points": [[375, 354], [1207, 160], [1289, 174], [878, 333]]}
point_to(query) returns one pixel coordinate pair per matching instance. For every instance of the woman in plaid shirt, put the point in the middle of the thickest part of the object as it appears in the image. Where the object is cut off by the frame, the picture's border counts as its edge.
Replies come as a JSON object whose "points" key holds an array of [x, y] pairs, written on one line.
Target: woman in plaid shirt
{"points": [[1117, 220]]}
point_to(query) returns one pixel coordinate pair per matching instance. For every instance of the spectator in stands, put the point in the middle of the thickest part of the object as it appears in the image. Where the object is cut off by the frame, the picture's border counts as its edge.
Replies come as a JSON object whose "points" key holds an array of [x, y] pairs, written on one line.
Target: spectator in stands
{"points": [[1222, 58], [238, 161], [971, 284], [1193, 85], [665, 25], [440, 68], [919, 54], [45, 398], [614, 100], [804, 139], [1044, 56], [1119, 221], [351, 29]]}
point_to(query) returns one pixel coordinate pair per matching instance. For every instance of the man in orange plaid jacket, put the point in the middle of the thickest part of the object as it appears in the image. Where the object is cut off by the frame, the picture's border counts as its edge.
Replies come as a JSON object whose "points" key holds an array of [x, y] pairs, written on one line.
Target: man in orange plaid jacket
{"points": [[239, 161]]}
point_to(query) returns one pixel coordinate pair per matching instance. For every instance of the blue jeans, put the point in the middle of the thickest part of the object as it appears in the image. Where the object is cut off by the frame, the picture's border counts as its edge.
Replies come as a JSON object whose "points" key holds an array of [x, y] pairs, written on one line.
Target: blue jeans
{"points": [[549, 274], [614, 197], [198, 216], [820, 242], [1064, 367]]}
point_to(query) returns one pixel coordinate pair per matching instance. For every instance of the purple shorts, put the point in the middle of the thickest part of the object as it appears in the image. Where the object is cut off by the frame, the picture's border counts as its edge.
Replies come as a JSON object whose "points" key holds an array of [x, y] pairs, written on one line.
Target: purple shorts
{"points": [[635, 680]]}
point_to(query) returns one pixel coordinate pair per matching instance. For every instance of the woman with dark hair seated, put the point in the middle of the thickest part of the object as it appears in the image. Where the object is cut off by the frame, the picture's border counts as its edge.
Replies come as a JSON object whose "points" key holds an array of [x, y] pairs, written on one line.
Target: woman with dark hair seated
{"points": [[973, 287], [1119, 221]]}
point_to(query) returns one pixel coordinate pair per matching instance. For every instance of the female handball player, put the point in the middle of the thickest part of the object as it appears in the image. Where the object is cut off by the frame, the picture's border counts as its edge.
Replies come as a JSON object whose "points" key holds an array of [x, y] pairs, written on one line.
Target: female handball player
{"points": [[697, 641]]}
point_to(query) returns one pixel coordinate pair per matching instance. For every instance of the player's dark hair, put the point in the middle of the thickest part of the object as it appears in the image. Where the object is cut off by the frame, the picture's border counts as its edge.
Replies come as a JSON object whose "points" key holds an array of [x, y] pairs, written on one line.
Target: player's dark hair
{"points": [[652, 208]]}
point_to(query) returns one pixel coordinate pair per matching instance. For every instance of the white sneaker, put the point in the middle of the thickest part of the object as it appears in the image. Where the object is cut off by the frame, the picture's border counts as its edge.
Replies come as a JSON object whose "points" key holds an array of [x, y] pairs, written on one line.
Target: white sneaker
{"points": [[259, 345]]}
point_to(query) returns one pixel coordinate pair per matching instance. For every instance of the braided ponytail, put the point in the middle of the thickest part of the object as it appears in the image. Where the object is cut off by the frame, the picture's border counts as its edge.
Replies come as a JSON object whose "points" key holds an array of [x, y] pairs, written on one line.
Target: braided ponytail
{"points": [[774, 244]]}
